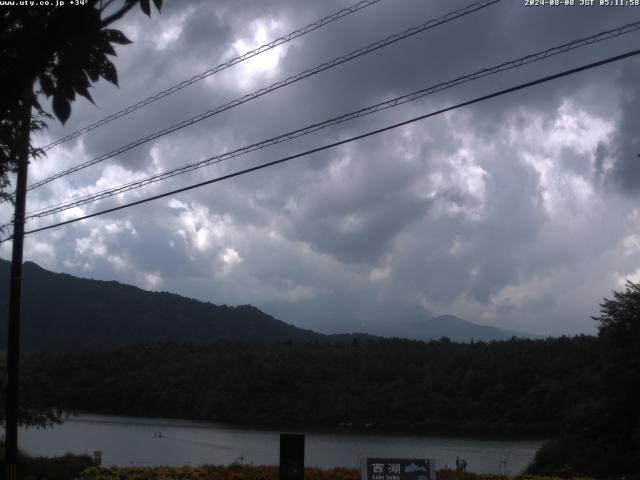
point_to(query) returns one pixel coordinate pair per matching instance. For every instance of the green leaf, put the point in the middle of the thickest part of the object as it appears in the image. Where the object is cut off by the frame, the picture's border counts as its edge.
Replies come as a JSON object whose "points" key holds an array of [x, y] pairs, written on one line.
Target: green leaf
{"points": [[108, 72], [106, 47], [92, 68], [81, 85], [115, 36], [46, 83], [146, 7], [61, 107], [158, 4], [36, 104]]}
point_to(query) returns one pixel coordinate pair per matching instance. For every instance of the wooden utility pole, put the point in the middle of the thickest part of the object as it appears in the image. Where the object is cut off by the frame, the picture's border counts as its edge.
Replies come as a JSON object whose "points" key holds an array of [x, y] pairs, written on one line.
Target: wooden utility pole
{"points": [[15, 287]]}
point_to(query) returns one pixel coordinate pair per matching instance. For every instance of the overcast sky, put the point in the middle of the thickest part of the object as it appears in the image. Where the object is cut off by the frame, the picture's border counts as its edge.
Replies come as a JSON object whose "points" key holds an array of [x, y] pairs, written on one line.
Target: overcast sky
{"points": [[519, 212]]}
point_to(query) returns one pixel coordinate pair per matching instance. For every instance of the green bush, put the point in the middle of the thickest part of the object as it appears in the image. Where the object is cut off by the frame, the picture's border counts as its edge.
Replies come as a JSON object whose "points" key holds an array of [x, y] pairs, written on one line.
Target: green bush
{"points": [[67, 467]]}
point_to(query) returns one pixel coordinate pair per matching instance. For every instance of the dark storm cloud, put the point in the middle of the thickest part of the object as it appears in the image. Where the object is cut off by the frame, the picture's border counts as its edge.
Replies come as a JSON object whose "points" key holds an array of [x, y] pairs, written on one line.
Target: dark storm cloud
{"points": [[497, 212], [624, 153]]}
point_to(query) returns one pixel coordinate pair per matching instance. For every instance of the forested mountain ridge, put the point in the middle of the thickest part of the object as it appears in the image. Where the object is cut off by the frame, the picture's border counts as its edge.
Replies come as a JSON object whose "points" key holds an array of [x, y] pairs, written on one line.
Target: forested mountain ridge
{"points": [[63, 312]]}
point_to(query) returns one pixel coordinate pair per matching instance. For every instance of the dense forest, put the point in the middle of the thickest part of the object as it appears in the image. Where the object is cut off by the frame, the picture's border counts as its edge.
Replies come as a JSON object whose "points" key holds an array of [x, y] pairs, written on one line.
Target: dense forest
{"points": [[601, 436], [517, 387]]}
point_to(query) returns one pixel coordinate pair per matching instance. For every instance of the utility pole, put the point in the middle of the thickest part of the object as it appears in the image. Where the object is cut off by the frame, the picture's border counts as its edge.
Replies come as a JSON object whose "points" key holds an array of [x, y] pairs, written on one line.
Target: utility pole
{"points": [[15, 287]]}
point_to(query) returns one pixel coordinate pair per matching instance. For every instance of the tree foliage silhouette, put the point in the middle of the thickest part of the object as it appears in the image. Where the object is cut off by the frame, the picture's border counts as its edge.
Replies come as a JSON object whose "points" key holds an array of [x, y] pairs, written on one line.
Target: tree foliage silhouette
{"points": [[41, 397], [619, 415], [602, 438], [56, 52]]}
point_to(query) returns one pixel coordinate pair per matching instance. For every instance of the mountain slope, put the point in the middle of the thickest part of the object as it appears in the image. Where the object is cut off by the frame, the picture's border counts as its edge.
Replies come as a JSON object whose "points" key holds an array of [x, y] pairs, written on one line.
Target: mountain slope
{"points": [[455, 328], [63, 312], [461, 330]]}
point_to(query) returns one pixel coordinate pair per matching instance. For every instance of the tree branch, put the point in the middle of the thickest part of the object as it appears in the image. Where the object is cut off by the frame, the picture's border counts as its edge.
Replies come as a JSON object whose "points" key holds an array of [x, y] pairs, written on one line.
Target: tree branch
{"points": [[106, 4], [118, 14]]}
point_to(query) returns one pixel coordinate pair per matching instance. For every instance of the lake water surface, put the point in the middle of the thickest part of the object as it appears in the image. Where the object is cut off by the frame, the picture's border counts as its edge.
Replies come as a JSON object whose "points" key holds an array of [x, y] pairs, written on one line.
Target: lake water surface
{"points": [[133, 441]]}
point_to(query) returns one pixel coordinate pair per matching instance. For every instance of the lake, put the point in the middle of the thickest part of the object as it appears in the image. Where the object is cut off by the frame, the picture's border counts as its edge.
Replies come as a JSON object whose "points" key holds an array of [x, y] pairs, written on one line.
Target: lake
{"points": [[135, 441]]}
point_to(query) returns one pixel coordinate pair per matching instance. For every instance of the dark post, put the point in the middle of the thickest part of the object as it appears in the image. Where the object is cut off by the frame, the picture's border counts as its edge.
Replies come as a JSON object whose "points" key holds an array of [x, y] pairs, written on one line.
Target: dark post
{"points": [[291, 456], [13, 338]]}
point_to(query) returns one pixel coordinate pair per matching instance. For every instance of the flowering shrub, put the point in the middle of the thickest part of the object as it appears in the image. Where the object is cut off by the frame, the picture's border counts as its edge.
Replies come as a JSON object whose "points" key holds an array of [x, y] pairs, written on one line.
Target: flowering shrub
{"points": [[66, 467], [454, 475], [262, 472], [208, 472]]}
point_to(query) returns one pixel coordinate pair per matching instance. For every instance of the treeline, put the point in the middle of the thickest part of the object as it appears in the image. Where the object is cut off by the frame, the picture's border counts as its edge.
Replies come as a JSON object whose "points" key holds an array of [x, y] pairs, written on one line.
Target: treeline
{"points": [[517, 387]]}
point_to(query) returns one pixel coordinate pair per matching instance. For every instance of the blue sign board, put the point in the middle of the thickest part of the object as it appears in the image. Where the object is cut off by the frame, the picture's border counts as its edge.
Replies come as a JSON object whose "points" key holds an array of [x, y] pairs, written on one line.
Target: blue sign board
{"points": [[399, 469]]}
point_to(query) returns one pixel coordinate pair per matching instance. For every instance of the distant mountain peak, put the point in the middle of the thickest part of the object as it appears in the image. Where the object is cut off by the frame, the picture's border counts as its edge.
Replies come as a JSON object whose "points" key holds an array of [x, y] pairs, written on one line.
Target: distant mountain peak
{"points": [[455, 328], [447, 319]]}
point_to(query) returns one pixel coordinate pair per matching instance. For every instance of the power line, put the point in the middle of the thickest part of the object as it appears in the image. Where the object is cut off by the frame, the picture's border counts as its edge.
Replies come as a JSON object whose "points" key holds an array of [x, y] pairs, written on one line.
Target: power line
{"points": [[223, 66], [295, 78], [534, 57], [342, 142]]}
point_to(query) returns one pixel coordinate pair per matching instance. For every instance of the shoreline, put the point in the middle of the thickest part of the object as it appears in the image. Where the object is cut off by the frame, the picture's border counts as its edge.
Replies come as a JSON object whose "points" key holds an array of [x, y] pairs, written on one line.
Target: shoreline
{"points": [[478, 432]]}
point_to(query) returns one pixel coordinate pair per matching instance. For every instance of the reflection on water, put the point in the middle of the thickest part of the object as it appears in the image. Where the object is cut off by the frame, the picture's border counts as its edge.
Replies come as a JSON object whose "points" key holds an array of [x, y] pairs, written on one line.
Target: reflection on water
{"points": [[142, 441]]}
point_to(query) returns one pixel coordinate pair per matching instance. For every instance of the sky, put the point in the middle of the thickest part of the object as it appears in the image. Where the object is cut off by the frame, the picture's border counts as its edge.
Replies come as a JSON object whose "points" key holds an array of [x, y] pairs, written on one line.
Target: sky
{"points": [[520, 212]]}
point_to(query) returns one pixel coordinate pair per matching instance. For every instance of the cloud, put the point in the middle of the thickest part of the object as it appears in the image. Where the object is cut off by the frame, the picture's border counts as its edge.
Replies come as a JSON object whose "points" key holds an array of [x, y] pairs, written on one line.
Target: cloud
{"points": [[624, 150], [518, 212]]}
